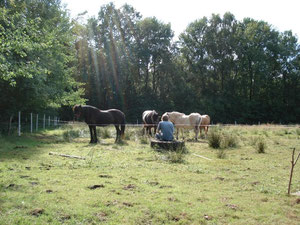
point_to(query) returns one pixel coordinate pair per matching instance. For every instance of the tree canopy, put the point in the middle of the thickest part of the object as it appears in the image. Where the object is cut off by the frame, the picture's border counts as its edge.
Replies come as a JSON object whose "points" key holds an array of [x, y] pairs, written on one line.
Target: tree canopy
{"points": [[244, 71]]}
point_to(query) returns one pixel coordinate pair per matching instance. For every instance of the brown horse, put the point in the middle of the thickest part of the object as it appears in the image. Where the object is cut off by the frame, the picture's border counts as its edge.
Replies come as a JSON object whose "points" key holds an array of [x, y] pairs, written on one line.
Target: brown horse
{"points": [[96, 117], [205, 124], [182, 121]]}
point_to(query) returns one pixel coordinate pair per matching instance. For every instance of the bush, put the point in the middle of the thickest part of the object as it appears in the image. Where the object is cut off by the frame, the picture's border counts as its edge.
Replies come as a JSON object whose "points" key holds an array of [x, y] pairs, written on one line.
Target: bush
{"points": [[229, 141], [261, 146], [214, 139]]}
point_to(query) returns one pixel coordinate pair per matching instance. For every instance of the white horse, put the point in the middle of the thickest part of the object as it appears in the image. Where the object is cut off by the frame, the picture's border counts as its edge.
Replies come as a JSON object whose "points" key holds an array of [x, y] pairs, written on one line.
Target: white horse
{"points": [[182, 121]]}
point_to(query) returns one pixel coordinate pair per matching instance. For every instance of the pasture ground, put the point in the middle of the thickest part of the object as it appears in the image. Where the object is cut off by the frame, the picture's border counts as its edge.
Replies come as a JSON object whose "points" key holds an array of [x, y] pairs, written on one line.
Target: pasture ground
{"points": [[130, 183]]}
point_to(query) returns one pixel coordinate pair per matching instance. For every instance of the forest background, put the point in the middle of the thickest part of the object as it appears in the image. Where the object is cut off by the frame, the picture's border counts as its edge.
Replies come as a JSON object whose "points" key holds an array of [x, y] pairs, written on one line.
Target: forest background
{"points": [[235, 71]]}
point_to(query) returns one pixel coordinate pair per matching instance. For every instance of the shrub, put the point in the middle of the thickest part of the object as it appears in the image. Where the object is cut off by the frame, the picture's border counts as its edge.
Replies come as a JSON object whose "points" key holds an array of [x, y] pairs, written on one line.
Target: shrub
{"points": [[261, 146], [229, 141], [214, 139]]}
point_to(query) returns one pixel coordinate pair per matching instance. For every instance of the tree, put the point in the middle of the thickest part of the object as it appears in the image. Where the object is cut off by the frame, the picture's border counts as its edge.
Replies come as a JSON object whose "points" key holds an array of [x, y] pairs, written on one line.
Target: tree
{"points": [[36, 57]]}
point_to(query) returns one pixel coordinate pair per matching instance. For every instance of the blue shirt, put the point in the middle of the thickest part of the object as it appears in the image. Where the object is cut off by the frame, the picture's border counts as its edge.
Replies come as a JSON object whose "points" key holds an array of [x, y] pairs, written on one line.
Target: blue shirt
{"points": [[167, 129]]}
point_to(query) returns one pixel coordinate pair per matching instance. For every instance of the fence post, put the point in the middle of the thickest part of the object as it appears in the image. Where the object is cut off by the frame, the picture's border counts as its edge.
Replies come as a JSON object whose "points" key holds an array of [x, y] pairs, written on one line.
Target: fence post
{"points": [[31, 122], [49, 122], [19, 129], [37, 122], [44, 122]]}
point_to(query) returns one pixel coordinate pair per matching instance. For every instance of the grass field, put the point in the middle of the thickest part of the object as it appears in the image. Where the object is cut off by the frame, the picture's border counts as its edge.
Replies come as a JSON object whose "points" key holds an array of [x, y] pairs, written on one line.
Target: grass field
{"points": [[131, 183]]}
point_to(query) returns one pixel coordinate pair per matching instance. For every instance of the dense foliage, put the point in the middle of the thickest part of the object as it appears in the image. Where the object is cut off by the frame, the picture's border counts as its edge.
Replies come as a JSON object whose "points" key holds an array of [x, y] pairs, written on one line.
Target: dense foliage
{"points": [[37, 57], [243, 71]]}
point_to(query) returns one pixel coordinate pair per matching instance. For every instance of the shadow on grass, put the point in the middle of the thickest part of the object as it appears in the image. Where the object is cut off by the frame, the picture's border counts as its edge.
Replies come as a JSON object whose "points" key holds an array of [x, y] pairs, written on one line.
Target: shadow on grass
{"points": [[22, 148]]}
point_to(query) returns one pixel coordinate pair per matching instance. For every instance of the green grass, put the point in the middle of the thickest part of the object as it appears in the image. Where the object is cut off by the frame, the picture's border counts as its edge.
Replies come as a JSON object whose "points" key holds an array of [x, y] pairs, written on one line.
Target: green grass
{"points": [[130, 183]]}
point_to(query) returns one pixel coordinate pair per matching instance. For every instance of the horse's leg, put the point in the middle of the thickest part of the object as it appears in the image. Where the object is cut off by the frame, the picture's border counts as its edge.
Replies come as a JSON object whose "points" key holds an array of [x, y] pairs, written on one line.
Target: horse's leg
{"points": [[150, 131], [196, 129], [206, 130], [118, 133], [95, 134], [177, 131], [91, 133]]}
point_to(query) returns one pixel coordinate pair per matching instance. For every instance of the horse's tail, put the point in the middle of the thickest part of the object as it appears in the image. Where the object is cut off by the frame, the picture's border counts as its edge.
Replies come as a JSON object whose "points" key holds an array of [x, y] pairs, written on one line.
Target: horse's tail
{"points": [[198, 122]]}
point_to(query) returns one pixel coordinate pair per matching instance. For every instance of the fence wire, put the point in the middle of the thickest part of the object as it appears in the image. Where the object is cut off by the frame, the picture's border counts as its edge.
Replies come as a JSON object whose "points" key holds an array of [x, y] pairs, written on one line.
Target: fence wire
{"points": [[33, 122]]}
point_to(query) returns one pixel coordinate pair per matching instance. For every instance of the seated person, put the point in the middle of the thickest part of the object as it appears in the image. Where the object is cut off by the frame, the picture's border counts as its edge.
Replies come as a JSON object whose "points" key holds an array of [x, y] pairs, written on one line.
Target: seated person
{"points": [[165, 130]]}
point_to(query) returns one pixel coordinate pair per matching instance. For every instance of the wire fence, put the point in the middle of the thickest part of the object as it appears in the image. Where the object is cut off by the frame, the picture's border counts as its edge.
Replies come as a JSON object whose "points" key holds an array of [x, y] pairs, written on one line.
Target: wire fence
{"points": [[33, 122], [28, 123]]}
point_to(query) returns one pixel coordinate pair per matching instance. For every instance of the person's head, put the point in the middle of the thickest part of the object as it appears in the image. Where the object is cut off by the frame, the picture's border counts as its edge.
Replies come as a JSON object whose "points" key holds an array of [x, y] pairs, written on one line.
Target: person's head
{"points": [[165, 118]]}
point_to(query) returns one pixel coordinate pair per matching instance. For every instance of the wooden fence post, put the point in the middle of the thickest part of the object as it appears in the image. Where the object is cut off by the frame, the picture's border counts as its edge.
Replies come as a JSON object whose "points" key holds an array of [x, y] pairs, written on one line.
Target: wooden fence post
{"points": [[44, 122], [37, 122], [31, 123], [19, 127]]}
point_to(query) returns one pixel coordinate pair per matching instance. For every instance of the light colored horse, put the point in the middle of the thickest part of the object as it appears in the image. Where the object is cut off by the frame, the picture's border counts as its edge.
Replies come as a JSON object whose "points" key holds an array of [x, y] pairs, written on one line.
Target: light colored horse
{"points": [[205, 124], [182, 121]]}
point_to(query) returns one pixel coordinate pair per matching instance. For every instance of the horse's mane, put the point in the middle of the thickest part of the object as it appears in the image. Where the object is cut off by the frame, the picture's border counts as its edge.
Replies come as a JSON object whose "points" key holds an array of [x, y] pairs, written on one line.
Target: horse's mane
{"points": [[75, 106]]}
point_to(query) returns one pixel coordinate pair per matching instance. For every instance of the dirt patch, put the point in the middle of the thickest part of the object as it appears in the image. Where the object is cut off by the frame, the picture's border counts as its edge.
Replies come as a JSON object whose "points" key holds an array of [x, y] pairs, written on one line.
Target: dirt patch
{"points": [[102, 216], [37, 212], [20, 147], [232, 206], [207, 217], [153, 183], [255, 183], [129, 187], [13, 186], [128, 204], [96, 186], [105, 176]]}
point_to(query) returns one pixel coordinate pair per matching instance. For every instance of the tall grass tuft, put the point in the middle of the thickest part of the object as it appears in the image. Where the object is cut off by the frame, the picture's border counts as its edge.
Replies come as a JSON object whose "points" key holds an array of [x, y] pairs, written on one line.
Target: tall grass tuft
{"points": [[221, 154], [229, 141], [105, 133], [215, 138], [175, 156], [69, 135], [261, 146], [144, 140]]}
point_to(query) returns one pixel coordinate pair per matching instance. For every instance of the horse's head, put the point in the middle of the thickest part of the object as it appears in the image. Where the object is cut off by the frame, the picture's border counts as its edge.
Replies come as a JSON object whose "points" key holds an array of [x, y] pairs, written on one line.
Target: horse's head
{"points": [[155, 117], [77, 109]]}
